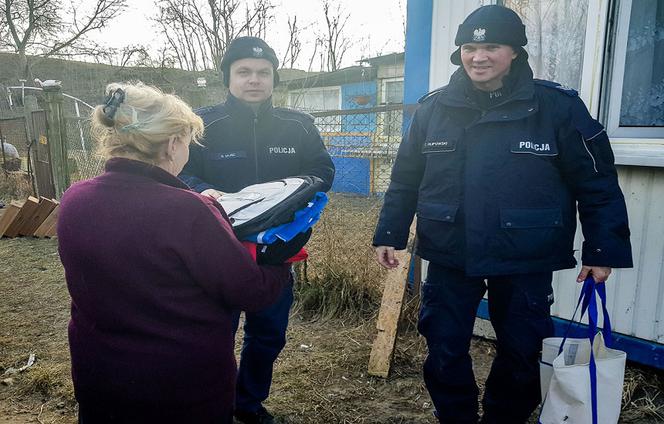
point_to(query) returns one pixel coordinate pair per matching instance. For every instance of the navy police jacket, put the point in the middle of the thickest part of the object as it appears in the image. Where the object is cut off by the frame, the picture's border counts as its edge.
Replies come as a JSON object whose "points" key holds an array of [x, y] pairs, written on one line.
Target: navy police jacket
{"points": [[241, 148], [496, 191]]}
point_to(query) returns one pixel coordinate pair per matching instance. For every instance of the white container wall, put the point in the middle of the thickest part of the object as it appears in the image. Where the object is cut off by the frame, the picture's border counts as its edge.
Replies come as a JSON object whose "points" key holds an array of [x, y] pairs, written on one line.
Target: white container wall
{"points": [[635, 295]]}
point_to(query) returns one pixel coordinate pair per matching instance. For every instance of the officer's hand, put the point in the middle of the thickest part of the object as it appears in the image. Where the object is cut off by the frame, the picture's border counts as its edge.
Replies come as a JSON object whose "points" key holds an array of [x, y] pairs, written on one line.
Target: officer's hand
{"points": [[385, 257], [600, 273], [215, 194]]}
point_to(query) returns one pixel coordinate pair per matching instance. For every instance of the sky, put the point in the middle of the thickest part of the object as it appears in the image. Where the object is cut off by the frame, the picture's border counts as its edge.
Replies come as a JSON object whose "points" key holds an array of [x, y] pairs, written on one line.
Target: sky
{"points": [[374, 27]]}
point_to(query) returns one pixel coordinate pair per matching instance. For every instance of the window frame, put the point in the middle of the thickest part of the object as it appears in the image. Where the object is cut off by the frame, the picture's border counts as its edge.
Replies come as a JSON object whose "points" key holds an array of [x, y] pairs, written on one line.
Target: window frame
{"points": [[615, 78], [304, 91], [602, 76], [383, 89]]}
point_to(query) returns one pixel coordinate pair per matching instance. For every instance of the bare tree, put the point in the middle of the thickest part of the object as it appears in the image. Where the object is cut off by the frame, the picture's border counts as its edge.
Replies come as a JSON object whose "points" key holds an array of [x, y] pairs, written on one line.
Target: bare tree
{"points": [[47, 28], [334, 40], [131, 55], [294, 44], [198, 31]]}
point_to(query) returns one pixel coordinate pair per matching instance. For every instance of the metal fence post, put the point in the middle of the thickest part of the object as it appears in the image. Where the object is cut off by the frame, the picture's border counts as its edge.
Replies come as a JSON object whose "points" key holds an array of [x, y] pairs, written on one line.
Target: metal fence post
{"points": [[56, 133]]}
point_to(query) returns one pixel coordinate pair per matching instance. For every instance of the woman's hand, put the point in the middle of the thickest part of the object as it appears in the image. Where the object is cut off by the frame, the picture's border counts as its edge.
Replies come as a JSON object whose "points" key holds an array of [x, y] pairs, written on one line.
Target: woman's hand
{"points": [[215, 194]]}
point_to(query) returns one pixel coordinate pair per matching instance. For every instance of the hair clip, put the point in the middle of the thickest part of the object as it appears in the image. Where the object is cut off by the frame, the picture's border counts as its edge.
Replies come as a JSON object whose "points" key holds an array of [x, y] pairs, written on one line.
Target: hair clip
{"points": [[113, 101]]}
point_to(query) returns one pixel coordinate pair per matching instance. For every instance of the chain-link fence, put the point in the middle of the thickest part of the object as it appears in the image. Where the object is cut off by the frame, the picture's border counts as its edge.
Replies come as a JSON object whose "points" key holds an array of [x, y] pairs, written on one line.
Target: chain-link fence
{"points": [[14, 144], [341, 274], [16, 177], [84, 160], [363, 144]]}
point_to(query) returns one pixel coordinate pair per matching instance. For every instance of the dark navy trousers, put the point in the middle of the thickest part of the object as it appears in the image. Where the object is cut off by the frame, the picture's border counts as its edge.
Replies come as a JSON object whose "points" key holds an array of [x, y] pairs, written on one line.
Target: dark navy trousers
{"points": [[264, 338], [519, 308]]}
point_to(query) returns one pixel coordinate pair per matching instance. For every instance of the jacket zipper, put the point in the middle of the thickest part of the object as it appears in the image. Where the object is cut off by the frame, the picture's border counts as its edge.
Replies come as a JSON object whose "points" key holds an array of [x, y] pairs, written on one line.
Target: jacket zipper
{"points": [[255, 150]]}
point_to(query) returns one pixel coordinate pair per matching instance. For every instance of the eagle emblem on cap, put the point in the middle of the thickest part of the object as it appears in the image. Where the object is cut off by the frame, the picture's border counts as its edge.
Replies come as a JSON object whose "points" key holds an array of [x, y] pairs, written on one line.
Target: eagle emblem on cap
{"points": [[479, 34], [258, 52]]}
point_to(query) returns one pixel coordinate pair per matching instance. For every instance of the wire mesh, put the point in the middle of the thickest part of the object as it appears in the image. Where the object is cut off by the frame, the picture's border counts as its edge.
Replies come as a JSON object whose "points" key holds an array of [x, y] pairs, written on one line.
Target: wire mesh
{"points": [[363, 144], [84, 160]]}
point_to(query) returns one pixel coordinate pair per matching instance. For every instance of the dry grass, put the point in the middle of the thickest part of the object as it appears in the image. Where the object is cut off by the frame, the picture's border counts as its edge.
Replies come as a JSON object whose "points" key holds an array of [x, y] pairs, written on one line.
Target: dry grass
{"points": [[642, 395], [49, 381], [341, 277], [14, 186]]}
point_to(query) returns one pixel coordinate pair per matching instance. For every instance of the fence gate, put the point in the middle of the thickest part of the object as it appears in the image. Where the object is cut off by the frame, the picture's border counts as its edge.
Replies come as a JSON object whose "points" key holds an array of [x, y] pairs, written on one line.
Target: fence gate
{"points": [[42, 156]]}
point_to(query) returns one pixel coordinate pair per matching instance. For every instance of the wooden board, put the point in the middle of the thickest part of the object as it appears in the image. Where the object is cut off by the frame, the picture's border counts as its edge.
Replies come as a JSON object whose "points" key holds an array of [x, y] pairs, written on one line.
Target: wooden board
{"points": [[417, 275], [11, 211], [42, 212], [48, 226], [394, 292], [29, 207], [53, 229]]}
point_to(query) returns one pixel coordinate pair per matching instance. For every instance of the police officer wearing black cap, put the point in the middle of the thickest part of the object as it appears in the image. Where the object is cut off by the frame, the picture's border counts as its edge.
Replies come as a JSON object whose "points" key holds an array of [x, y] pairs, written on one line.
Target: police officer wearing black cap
{"points": [[494, 165], [249, 141]]}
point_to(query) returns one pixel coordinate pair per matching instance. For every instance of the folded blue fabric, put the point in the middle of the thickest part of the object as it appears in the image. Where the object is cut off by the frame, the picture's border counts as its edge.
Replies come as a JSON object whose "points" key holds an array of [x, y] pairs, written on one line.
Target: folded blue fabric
{"points": [[304, 219]]}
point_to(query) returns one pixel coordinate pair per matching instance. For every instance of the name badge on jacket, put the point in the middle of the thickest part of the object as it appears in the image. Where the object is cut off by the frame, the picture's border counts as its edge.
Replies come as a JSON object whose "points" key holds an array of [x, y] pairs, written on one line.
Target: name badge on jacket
{"points": [[229, 155], [538, 148], [437, 146]]}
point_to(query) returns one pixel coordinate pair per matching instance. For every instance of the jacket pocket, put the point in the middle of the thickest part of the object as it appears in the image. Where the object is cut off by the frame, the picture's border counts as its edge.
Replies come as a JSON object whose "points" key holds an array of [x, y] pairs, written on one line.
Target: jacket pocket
{"points": [[528, 233], [436, 229], [437, 211]]}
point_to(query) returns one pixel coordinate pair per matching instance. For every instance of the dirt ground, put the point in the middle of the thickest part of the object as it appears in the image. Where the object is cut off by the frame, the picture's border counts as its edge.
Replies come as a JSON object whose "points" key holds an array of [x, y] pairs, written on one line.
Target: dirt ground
{"points": [[319, 378]]}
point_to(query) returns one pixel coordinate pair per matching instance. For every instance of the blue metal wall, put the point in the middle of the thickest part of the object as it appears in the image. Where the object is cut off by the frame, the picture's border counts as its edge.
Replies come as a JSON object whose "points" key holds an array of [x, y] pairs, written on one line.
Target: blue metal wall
{"points": [[354, 174]]}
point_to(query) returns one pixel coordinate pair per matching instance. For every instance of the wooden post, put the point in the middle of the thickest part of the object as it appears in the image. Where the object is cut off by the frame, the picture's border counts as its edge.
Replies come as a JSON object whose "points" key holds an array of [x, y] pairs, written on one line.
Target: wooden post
{"points": [[390, 312], [56, 132]]}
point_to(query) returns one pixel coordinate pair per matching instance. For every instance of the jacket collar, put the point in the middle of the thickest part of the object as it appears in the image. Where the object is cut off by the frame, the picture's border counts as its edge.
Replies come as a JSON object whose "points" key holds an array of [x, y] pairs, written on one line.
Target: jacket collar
{"points": [[237, 107], [143, 169], [520, 81]]}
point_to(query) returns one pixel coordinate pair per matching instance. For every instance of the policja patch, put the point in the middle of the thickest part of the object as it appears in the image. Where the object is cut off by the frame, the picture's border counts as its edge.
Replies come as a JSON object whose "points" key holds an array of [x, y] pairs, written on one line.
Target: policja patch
{"points": [[534, 148]]}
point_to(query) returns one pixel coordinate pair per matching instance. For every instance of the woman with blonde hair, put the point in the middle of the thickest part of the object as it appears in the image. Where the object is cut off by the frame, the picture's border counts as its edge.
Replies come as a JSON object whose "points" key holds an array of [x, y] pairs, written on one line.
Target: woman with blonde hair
{"points": [[154, 272]]}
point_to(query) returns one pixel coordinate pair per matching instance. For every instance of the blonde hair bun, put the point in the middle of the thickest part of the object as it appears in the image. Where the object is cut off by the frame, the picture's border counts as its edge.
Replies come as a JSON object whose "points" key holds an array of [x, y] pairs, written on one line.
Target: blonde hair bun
{"points": [[138, 119]]}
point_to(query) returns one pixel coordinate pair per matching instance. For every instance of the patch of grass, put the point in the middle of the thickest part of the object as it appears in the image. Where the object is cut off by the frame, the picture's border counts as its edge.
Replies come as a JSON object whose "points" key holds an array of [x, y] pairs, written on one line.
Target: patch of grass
{"points": [[15, 186], [642, 395], [48, 380], [341, 277], [336, 293]]}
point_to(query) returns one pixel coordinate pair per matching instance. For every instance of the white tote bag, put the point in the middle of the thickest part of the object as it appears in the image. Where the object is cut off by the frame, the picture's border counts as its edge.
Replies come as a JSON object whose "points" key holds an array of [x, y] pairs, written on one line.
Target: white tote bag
{"points": [[581, 385]]}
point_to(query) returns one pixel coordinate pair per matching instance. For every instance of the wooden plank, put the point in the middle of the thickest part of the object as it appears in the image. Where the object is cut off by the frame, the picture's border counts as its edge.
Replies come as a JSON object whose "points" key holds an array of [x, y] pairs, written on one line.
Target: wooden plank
{"points": [[25, 214], [53, 229], [394, 292], [12, 210], [417, 275], [45, 208], [43, 229]]}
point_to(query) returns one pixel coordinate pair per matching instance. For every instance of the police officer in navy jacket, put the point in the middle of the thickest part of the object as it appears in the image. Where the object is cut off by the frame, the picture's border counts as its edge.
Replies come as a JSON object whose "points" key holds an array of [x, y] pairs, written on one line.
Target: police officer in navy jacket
{"points": [[494, 165], [248, 141]]}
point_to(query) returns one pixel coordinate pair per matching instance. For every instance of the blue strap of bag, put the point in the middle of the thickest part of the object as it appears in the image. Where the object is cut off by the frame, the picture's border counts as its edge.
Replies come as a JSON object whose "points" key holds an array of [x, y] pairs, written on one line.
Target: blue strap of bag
{"points": [[588, 302], [587, 292], [592, 366]]}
